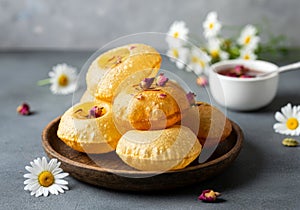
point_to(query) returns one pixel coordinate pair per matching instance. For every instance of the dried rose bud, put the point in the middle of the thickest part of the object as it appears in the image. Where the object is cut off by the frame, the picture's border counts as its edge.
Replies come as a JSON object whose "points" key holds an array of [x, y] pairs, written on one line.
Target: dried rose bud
{"points": [[146, 83], [95, 112], [161, 80], [238, 69], [209, 196], [132, 47], [202, 81], [23, 109], [162, 95], [191, 98]]}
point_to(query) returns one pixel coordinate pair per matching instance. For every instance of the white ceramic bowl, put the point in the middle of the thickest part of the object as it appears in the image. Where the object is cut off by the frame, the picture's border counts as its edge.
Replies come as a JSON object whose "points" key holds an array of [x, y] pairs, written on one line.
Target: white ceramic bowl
{"points": [[243, 94]]}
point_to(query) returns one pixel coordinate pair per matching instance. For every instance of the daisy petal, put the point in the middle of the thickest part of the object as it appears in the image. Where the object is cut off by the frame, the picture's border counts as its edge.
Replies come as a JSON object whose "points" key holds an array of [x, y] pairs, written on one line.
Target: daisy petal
{"points": [[280, 117], [286, 110], [45, 192], [58, 188], [61, 176], [61, 181], [26, 188], [64, 187], [44, 164], [279, 127], [53, 164], [38, 164], [29, 181], [38, 192], [56, 171], [52, 190], [30, 176], [28, 168]]}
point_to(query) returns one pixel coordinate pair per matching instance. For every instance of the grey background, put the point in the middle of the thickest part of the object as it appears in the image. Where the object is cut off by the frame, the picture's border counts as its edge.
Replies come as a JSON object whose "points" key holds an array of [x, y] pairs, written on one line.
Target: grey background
{"points": [[69, 24], [265, 174]]}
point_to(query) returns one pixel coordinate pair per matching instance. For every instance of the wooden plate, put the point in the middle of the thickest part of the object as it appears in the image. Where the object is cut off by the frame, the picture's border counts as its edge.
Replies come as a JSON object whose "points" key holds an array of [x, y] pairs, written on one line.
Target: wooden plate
{"points": [[107, 170]]}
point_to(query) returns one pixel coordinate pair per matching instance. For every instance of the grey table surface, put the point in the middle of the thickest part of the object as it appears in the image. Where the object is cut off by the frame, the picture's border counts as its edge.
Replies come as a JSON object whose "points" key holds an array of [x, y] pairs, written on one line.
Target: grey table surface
{"points": [[264, 176]]}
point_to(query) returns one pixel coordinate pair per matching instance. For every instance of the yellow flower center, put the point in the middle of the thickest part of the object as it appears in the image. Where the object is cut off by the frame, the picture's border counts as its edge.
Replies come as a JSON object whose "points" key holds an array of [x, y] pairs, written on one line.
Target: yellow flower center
{"points": [[198, 61], [211, 26], [176, 34], [247, 40], [247, 57], [46, 178], [194, 59], [292, 123], [175, 53], [63, 80], [214, 53]]}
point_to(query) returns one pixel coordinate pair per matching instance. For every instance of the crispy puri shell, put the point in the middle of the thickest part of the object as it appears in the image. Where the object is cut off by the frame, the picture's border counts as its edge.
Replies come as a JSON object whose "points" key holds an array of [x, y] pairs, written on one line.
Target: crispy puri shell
{"points": [[151, 109], [94, 135], [103, 80], [214, 126], [159, 150]]}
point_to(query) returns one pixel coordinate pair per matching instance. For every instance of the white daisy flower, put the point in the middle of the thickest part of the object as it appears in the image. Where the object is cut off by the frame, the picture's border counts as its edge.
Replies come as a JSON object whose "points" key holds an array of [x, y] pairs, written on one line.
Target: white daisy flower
{"points": [[45, 177], [289, 120], [211, 25], [247, 54], [198, 61], [63, 79], [179, 56], [248, 37], [214, 49], [177, 34]]}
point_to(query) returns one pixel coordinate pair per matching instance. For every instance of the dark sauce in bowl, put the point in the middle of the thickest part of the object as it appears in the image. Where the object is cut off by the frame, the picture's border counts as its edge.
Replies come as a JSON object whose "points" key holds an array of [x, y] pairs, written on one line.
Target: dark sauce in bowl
{"points": [[240, 72]]}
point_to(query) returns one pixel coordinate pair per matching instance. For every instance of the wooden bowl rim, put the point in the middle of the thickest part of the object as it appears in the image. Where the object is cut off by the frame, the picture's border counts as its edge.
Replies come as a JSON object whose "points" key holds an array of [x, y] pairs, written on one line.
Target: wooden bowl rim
{"points": [[53, 153]]}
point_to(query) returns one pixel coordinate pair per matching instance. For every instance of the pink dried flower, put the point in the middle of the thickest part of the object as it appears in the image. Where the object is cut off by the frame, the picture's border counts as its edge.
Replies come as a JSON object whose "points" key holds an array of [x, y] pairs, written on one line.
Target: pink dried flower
{"points": [[132, 47], [24, 109], [202, 81], [161, 80], [239, 69], [162, 95], [191, 98], [209, 196], [95, 112], [146, 83]]}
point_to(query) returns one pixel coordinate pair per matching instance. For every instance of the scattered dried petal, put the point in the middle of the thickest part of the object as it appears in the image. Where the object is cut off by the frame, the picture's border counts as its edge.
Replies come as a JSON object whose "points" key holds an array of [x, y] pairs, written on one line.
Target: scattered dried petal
{"points": [[161, 80], [239, 69], [119, 60], [146, 83], [290, 142], [95, 112], [209, 196], [191, 98], [132, 47], [202, 81], [24, 109], [162, 95]]}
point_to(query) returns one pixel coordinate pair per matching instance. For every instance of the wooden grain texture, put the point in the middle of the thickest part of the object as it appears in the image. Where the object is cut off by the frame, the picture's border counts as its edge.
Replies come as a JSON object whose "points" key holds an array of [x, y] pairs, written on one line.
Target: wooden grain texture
{"points": [[108, 170]]}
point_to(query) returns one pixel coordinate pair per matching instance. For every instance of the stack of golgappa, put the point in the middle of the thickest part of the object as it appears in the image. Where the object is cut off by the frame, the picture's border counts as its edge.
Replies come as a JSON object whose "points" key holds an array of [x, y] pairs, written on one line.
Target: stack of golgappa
{"points": [[144, 117]]}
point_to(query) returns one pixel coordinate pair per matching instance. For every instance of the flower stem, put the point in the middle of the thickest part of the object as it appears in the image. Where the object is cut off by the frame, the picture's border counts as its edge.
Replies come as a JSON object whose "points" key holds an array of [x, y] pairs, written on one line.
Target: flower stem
{"points": [[43, 82]]}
